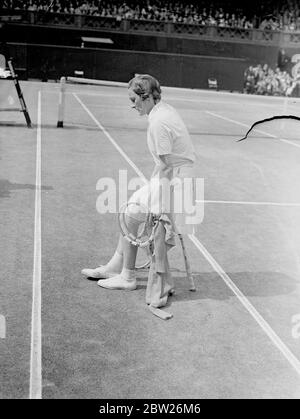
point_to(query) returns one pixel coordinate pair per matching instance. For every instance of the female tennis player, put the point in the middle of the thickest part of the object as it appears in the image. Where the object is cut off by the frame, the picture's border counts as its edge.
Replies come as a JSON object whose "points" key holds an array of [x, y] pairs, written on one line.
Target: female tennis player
{"points": [[173, 153]]}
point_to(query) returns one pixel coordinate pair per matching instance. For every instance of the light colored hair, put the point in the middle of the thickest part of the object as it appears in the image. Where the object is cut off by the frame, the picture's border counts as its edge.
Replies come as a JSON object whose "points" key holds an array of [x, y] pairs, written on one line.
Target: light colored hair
{"points": [[144, 85]]}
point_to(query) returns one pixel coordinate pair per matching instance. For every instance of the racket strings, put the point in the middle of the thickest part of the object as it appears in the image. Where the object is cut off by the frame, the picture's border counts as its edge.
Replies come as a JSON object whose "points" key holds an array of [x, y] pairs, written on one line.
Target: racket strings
{"points": [[137, 224]]}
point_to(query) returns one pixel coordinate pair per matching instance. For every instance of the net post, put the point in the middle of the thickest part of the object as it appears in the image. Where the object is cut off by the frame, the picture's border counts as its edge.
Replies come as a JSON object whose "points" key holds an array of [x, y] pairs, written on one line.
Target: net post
{"points": [[61, 103]]}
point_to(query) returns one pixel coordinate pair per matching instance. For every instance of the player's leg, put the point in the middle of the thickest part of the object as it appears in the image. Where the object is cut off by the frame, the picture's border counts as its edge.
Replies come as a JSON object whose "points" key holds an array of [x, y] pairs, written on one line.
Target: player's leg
{"points": [[125, 253], [126, 280], [124, 256], [111, 268]]}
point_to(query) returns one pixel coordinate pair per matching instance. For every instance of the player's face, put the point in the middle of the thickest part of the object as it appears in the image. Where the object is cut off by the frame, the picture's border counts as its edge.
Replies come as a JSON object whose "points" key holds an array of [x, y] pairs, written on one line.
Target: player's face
{"points": [[136, 102], [143, 106]]}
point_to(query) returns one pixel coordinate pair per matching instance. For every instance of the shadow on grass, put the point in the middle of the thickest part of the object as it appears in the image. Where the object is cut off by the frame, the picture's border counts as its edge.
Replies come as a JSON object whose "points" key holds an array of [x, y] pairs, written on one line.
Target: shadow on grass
{"points": [[13, 124], [71, 126], [6, 187], [117, 127], [251, 284], [209, 285]]}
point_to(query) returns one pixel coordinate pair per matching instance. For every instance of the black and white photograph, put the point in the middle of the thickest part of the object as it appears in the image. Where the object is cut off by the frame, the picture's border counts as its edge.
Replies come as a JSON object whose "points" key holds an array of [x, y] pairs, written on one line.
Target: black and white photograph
{"points": [[149, 202]]}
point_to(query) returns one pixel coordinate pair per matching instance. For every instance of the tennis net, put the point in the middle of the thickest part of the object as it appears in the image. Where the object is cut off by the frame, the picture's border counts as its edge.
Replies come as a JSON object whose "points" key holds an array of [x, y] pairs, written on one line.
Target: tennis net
{"points": [[79, 86]]}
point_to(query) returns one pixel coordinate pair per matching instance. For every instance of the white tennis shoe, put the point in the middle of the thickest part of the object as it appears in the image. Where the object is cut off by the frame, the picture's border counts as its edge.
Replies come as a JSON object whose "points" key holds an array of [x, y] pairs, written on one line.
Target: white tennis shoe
{"points": [[118, 282], [98, 273]]}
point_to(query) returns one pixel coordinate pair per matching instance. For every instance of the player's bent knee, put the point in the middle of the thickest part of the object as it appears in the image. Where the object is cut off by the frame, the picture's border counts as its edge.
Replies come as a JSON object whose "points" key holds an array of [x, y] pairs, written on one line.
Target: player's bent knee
{"points": [[135, 212]]}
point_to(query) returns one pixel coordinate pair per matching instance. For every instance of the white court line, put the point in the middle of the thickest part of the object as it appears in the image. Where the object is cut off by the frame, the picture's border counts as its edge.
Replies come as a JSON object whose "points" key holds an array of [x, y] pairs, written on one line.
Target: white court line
{"points": [[210, 101], [294, 362], [246, 303], [123, 96], [289, 142], [247, 126], [36, 321], [197, 91], [169, 98], [276, 204]]}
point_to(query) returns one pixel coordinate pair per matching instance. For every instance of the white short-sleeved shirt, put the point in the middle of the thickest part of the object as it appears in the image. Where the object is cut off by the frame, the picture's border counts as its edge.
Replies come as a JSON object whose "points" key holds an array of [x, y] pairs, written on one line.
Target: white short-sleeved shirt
{"points": [[167, 134]]}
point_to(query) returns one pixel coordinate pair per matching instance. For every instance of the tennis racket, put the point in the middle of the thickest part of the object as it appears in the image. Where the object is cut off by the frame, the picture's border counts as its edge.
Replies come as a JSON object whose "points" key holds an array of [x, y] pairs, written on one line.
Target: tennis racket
{"points": [[142, 235]]}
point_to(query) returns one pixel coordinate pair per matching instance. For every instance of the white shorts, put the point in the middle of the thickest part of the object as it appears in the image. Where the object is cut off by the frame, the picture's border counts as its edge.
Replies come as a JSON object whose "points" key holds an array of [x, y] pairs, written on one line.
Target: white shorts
{"points": [[176, 197]]}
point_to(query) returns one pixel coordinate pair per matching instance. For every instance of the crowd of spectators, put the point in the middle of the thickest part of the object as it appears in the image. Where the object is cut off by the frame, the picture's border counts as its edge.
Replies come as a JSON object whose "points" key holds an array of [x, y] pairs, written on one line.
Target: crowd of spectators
{"points": [[202, 13], [273, 15], [263, 80], [285, 16]]}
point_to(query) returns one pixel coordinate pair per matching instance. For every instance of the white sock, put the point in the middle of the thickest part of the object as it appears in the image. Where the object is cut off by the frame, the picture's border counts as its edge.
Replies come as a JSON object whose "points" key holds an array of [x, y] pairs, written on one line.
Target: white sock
{"points": [[128, 274]]}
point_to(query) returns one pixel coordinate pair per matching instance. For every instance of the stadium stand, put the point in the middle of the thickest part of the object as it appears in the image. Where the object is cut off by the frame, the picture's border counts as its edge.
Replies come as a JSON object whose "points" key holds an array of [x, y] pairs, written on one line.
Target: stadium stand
{"points": [[226, 41], [269, 15], [263, 80]]}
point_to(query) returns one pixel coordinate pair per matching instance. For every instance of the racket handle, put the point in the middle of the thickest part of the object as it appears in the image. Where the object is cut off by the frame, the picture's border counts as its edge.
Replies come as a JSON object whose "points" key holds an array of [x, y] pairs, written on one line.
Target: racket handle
{"points": [[187, 265]]}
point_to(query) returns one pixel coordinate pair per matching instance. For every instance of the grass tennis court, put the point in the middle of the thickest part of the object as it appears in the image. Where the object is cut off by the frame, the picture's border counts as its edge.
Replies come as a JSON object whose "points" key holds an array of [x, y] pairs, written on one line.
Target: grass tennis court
{"points": [[238, 336]]}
